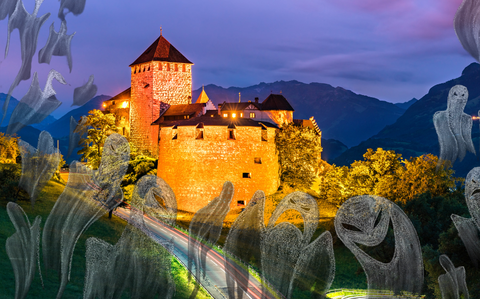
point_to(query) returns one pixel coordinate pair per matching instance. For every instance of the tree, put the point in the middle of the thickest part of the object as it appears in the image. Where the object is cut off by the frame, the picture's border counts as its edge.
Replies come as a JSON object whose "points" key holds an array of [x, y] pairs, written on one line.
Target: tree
{"points": [[8, 148], [299, 154], [101, 126], [386, 174]]}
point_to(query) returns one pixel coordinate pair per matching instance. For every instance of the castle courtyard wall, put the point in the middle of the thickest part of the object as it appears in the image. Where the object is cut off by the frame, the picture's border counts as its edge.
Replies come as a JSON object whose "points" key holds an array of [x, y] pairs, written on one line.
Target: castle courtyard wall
{"points": [[197, 168]]}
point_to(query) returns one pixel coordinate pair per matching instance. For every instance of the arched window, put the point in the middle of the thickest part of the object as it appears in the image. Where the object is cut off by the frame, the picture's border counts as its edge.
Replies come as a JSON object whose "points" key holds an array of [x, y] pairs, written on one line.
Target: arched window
{"points": [[231, 132], [174, 133], [264, 133]]}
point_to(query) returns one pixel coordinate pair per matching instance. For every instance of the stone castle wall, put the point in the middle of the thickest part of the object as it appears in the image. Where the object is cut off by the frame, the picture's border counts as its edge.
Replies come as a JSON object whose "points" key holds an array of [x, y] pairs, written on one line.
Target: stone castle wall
{"points": [[152, 83], [196, 169]]}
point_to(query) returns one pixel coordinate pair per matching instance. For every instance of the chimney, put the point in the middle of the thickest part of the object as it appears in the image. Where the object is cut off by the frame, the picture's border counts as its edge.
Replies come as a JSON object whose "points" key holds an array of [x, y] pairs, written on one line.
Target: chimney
{"points": [[220, 109], [256, 100]]}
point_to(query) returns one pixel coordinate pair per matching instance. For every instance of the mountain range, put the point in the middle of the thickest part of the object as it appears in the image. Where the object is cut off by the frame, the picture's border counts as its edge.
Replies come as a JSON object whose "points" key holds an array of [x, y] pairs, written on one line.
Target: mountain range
{"points": [[346, 119], [341, 114], [414, 134]]}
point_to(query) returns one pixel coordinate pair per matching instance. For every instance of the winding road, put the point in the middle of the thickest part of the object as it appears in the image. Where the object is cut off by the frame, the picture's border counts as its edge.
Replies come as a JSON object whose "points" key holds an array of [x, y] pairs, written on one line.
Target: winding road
{"points": [[215, 278]]}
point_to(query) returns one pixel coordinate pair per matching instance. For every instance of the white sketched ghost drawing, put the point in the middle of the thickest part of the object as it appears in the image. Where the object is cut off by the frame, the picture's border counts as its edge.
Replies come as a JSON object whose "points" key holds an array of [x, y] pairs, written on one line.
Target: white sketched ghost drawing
{"points": [[454, 127]]}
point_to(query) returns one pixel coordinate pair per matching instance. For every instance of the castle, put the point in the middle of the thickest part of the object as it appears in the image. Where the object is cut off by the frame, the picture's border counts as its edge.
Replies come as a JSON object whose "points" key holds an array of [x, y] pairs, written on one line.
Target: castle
{"points": [[199, 146]]}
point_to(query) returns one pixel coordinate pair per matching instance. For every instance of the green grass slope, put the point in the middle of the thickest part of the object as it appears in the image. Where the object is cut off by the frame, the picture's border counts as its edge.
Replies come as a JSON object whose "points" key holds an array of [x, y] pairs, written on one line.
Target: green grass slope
{"points": [[109, 230]]}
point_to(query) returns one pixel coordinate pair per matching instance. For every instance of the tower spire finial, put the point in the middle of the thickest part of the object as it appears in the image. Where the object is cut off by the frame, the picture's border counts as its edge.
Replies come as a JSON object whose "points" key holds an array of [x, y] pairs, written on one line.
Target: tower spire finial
{"points": [[160, 30], [203, 87]]}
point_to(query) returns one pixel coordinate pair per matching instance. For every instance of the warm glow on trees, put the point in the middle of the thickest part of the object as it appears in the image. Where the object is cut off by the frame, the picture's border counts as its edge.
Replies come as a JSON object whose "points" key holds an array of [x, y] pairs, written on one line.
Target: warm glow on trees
{"points": [[101, 126], [8, 148], [386, 174], [299, 153]]}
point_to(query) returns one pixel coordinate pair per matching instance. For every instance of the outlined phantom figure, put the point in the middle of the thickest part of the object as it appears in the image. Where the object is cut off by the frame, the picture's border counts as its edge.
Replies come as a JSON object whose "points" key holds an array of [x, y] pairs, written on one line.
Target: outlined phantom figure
{"points": [[365, 220], [289, 259], [453, 283], [468, 227], [454, 127]]}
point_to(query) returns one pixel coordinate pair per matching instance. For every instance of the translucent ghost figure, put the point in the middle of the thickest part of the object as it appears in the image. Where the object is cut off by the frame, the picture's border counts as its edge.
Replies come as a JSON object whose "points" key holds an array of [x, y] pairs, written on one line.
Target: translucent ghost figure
{"points": [[84, 93], [77, 131], [454, 127], [289, 260], [29, 27], [36, 105], [7, 7], [144, 264], [243, 241], [58, 44], [365, 220], [38, 165], [87, 196], [467, 27], [23, 248], [453, 283], [468, 227], [74, 6], [207, 224]]}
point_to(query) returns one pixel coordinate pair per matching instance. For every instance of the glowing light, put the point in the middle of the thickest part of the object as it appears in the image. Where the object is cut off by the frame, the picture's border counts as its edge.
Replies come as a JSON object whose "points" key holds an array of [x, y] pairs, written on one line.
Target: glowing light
{"points": [[125, 104], [104, 105], [475, 117], [234, 115], [225, 115]]}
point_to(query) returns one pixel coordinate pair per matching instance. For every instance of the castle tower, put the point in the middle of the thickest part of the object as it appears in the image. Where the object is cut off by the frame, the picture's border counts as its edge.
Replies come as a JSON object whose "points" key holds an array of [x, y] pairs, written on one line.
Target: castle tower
{"points": [[161, 76]]}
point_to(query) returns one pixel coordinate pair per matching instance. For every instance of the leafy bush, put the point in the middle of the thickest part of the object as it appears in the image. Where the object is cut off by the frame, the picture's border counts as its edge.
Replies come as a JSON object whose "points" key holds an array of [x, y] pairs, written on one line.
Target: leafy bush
{"points": [[9, 177], [139, 166]]}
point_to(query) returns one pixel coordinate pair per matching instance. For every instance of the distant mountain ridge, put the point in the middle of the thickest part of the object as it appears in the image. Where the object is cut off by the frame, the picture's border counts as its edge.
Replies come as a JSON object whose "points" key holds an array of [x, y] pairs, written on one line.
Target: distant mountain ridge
{"points": [[340, 114], [11, 106], [414, 134]]}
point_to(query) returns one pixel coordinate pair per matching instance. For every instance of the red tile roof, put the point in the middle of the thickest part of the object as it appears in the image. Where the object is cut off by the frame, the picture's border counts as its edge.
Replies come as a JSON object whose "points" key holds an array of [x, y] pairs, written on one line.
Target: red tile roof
{"points": [[161, 50], [123, 95], [185, 109], [276, 102], [214, 121]]}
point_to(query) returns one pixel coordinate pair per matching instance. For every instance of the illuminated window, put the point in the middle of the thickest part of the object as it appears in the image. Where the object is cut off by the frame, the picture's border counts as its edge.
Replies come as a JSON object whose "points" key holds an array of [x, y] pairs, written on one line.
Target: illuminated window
{"points": [[125, 104], [183, 67], [257, 160], [241, 114], [160, 66], [199, 131], [247, 175], [176, 67], [225, 115], [252, 114], [234, 115], [211, 115]]}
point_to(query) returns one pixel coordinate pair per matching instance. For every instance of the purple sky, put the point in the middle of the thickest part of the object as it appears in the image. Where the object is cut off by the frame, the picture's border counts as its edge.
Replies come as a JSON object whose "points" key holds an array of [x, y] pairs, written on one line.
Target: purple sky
{"points": [[393, 50]]}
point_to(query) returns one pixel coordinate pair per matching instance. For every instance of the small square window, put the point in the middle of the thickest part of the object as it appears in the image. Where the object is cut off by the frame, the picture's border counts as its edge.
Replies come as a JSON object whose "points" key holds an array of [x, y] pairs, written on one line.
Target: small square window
{"points": [[247, 175], [257, 160], [252, 114], [225, 115]]}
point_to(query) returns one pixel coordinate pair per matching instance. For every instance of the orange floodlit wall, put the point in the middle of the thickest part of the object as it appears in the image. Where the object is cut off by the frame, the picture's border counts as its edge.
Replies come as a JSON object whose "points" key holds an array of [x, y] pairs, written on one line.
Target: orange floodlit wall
{"points": [[152, 83], [197, 168]]}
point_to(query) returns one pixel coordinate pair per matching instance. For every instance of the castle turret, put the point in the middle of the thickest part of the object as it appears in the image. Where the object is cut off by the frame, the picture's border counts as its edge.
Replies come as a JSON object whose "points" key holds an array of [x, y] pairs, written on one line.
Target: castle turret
{"points": [[160, 75]]}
